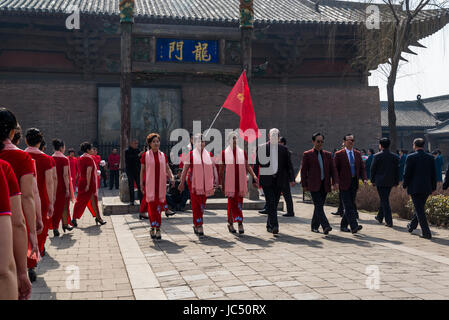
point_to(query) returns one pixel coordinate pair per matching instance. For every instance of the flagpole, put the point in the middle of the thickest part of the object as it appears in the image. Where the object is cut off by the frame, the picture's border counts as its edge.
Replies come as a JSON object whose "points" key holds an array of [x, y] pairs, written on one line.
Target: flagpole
{"points": [[213, 121]]}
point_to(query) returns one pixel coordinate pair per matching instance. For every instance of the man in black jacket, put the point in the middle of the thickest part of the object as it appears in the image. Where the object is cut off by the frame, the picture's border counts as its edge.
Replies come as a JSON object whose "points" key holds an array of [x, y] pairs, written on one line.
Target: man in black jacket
{"points": [[273, 174], [384, 176], [132, 165], [420, 180]]}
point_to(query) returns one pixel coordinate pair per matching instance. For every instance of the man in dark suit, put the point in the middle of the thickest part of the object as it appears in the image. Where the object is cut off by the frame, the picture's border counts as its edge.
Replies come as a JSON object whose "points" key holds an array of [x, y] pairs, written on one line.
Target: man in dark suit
{"points": [[317, 171], [286, 189], [420, 180], [273, 174], [350, 168], [385, 175]]}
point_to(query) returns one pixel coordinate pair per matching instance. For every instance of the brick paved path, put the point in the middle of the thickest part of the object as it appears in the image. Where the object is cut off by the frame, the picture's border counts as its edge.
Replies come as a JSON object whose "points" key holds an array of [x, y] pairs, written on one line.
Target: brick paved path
{"points": [[120, 261]]}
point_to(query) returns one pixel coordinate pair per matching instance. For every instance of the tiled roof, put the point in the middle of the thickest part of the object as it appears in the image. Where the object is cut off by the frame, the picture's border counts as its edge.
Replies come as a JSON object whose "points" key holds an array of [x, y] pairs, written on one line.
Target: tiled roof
{"points": [[215, 11], [437, 105], [441, 129], [408, 114]]}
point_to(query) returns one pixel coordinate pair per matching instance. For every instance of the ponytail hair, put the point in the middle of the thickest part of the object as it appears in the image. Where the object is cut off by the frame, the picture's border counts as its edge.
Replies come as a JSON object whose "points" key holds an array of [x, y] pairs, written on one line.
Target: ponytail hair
{"points": [[8, 122], [58, 144], [34, 136]]}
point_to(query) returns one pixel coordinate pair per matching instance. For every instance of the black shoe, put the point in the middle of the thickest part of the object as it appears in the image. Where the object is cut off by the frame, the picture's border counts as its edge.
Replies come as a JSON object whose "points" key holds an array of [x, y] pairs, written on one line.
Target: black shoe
{"points": [[74, 223], [99, 221], [378, 219], [195, 230], [32, 274], [169, 213], [327, 230], [64, 228], [389, 225], [132, 203], [270, 230], [264, 211], [231, 228], [288, 215], [428, 236], [55, 233], [142, 217], [409, 228], [359, 227], [275, 230], [315, 230], [345, 230]]}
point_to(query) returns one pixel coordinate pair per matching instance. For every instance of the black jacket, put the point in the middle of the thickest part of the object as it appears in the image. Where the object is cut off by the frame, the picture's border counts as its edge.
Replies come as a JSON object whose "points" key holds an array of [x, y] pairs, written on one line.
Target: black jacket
{"points": [[446, 179], [385, 169], [419, 173], [132, 160], [284, 173]]}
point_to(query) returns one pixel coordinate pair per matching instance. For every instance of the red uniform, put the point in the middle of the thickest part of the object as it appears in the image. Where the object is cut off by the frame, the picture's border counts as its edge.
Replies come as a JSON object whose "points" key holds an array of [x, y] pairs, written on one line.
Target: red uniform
{"points": [[22, 164], [43, 164], [62, 201], [235, 204], [5, 206], [13, 184], [83, 198], [155, 207], [198, 202], [97, 160], [74, 169]]}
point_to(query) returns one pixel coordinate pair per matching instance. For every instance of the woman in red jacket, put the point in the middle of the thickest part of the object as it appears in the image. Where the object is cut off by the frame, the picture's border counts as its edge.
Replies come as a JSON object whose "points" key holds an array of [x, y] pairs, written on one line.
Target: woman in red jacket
{"points": [[45, 182], [87, 187], [64, 189]]}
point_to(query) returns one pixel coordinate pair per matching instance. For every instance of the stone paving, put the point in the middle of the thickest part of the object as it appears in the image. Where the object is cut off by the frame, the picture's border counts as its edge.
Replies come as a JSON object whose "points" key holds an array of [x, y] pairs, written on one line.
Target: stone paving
{"points": [[120, 261]]}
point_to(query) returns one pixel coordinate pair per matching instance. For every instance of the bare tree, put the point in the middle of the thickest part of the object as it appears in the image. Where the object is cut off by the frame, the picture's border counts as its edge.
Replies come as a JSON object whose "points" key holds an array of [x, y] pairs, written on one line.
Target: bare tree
{"points": [[402, 24]]}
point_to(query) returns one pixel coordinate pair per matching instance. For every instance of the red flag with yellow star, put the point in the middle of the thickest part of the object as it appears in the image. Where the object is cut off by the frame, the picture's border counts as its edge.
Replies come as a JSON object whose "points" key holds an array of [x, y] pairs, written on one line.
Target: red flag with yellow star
{"points": [[239, 102]]}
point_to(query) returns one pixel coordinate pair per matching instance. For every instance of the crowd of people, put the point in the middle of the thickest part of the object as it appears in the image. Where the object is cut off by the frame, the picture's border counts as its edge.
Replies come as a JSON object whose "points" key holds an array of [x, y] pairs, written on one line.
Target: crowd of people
{"points": [[36, 189]]}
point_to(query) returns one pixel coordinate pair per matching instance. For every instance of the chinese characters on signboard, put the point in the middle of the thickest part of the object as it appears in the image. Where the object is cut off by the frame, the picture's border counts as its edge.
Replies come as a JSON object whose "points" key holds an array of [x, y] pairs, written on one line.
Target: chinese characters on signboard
{"points": [[174, 50]]}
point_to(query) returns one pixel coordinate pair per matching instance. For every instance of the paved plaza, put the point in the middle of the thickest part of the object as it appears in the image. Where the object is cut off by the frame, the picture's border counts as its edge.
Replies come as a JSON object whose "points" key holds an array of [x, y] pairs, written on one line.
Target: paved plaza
{"points": [[120, 261]]}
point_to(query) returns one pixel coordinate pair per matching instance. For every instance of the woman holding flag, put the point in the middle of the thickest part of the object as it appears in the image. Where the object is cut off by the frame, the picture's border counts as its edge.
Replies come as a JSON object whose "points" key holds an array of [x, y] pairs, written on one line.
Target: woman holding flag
{"points": [[201, 172], [233, 176], [64, 189], [154, 171]]}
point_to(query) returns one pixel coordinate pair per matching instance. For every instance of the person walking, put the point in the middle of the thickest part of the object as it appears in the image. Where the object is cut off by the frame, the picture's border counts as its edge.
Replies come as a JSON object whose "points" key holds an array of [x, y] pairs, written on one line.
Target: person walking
{"points": [[384, 176], [153, 176], [273, 175], [318, 173], [233, 168], [87, 189], [350, 168], [64, 189], [200, 171], [420, 181], [286, 188], [114, 165]]}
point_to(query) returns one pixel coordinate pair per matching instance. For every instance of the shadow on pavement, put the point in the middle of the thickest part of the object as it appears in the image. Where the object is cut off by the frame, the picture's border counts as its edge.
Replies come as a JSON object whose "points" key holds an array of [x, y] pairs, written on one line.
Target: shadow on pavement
{"points": [[64, 241]]}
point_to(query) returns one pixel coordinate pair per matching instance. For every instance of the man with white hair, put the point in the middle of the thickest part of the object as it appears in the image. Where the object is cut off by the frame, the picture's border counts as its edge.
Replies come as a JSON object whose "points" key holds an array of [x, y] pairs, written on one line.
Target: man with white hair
{"points": [[273, 171]]}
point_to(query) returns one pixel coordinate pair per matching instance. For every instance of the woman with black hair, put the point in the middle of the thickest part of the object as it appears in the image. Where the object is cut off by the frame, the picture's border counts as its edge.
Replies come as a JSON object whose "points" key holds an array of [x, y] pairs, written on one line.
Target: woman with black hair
{"points": [[26, 249], [64, 189], [154, 171], [45, 181], [87, 187]]}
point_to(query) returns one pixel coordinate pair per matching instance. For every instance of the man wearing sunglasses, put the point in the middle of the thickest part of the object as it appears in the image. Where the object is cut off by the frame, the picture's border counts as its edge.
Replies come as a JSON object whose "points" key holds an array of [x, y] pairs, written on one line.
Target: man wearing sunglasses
{"points": [[350, 168], [317, 173]]}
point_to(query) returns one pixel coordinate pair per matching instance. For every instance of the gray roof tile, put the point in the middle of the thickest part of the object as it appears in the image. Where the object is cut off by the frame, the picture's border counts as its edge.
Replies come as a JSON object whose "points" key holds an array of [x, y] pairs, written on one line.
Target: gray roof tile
{"points": [[437, 105], [266, 11], [408, 114]]}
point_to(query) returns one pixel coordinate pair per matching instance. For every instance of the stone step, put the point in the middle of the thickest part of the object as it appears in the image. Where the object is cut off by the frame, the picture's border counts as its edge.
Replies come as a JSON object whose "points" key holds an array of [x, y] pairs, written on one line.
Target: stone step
{"points": [[113, 205]]}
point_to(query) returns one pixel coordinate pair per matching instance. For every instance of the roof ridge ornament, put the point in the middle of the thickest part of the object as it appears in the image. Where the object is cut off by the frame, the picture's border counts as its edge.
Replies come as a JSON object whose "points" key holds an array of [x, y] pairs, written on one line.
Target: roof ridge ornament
{"points": [[127, 11], [246, 14]]}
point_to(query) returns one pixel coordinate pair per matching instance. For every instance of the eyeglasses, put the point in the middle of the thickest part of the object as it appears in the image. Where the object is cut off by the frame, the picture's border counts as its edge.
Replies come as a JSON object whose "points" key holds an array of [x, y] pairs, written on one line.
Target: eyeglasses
{"points": [[319, 141]]}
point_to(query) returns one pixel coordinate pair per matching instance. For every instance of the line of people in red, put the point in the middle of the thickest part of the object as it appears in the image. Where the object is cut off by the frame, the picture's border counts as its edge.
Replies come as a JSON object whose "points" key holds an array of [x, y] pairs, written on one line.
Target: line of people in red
{"points": [[35, 194]]}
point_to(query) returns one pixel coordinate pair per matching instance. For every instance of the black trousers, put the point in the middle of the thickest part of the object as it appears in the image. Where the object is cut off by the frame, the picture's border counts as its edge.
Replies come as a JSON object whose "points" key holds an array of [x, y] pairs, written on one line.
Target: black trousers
{"points": [[319, 217], [133, 176], [348, 198], [113, 178], [340, 205], [272, 195], [178, 203], [287, 193], [385, 209], [419, 201]]}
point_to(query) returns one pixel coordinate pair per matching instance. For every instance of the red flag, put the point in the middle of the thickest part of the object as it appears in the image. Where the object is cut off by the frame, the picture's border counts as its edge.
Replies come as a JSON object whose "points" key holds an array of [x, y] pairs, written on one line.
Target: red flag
{"points": [[239, 102]]}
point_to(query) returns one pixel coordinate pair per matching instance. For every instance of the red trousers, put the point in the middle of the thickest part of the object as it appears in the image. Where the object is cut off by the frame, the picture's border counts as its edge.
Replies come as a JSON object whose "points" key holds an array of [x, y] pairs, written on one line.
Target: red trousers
{"points": [[198, 203], [154, 213], [235, 205], [41, 238]]}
